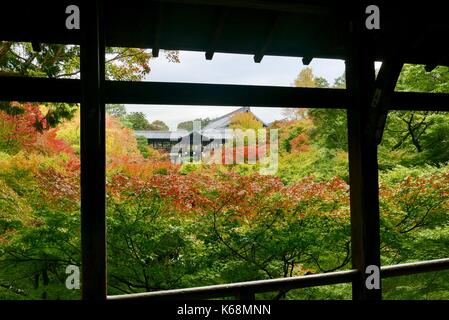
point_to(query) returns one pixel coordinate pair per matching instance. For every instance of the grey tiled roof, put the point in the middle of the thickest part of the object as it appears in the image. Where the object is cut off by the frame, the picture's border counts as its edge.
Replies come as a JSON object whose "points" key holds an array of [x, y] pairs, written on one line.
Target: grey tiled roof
{"points": [[213, 130], [162, 134], [223, 121]]}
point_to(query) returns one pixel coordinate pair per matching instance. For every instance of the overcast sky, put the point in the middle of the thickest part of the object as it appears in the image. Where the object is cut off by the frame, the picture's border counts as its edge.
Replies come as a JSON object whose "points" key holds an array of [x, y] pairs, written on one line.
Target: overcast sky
{"points": [[227, 69]]}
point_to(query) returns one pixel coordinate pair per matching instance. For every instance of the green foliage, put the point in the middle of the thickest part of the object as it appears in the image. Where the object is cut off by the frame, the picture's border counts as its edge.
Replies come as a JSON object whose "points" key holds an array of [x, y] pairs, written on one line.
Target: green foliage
{"points": [[341, 291], [188, 125], [436, 141], [340, 82], [426, 286], [286, 144], [138, 121], [54, 60], [149, 247], [306, 79], [62, 61], [10, 109], [415, 78], [196, 224], [158, 125], [321, 82], [321, 163], [58, 112], [142, 144], [116, 110], [417, 137], [331, 128], [188, 168], [40, 255]]}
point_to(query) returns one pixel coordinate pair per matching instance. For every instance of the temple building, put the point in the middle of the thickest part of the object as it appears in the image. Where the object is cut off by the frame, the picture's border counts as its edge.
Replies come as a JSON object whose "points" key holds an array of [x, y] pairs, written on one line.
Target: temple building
{"points": [[181, 143]]}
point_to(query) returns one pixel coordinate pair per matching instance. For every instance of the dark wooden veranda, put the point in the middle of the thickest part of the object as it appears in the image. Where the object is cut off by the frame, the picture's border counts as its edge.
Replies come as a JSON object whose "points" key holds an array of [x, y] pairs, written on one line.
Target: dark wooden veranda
{"points": [[306, 29]]}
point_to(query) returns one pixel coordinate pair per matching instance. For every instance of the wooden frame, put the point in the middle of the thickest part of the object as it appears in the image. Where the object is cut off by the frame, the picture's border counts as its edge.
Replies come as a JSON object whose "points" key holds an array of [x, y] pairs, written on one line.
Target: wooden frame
{"points": [[93, 156], [93, 92]]}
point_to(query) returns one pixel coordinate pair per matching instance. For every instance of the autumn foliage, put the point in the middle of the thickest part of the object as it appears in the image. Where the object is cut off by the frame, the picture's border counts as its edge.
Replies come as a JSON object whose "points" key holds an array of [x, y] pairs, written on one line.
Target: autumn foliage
{"points": [[173, 226]]}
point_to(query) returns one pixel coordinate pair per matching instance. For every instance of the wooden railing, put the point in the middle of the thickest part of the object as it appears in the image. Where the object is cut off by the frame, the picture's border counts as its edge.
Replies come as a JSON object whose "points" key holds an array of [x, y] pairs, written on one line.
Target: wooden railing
{"points": [[248, 289]]}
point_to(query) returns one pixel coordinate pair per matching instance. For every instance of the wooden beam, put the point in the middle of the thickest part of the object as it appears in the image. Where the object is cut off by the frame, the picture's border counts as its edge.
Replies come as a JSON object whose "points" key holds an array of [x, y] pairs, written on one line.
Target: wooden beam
{"points": [[273, 5], [218, 30], [420, 101], [306, 60], [157, 17], [284, 284], [246, 295], [425, 40], [37, 22], [93, 154], [384, 88], [36, 46], [430, 67], [155, 52], [69, 90], [222, 95], [39, 89], [406, 269], [271, 30], [233, 289], [363, 168]]}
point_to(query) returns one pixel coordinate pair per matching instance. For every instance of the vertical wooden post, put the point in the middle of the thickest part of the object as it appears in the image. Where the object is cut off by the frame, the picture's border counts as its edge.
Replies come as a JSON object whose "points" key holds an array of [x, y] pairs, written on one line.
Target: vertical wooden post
{"points": [[93, 207], [363, 167]]}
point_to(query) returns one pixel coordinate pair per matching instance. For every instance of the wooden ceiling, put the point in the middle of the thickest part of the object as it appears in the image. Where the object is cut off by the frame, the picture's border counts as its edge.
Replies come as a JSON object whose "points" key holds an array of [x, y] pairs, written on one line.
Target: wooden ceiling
{"points": [[310, 29]]}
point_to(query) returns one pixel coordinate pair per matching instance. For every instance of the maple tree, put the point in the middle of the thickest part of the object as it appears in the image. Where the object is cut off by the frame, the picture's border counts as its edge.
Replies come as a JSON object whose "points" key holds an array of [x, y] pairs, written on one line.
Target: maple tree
{"points": [[62, 61], [244, 121]]}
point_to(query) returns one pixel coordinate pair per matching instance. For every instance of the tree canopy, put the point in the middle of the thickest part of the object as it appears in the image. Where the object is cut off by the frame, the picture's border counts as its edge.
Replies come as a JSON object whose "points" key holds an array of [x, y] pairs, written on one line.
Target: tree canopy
{"points": [[244, 121], [62, 61], [188, 125], [158, 125], [138, 121]]}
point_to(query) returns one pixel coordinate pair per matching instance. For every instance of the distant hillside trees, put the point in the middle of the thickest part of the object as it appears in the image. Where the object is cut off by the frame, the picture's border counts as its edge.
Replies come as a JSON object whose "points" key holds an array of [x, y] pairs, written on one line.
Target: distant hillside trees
{"points": [[158, 125], [135, 120], [188, 125]]}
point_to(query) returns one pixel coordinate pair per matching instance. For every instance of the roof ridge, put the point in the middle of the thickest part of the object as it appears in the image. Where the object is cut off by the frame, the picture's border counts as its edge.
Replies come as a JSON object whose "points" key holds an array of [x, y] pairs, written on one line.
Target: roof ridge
{"points": [[241, 109]]}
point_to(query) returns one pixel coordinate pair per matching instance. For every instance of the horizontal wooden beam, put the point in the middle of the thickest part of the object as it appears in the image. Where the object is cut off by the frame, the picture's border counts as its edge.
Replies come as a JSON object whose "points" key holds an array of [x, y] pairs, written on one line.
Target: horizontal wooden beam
{"points": [[69, 90], [234, 289], [301, 32], [222, 95], [282, 6], [406, 269], [168, 93], [39, 89], [38, 21], [419, 101]]}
